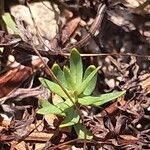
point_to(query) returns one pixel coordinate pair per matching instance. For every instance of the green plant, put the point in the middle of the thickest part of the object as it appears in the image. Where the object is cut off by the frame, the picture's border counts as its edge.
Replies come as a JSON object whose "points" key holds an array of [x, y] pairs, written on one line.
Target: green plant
{"points": [[10, 24], [79, 86]]}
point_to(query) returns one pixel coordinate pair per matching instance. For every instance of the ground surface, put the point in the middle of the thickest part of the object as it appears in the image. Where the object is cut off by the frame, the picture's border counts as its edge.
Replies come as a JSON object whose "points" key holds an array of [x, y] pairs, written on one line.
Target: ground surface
{"points": [[119, 38]]}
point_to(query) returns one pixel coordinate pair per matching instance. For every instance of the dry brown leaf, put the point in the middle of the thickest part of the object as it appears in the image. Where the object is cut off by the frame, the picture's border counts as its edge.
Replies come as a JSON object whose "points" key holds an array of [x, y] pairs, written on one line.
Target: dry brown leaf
{"points": [[128, 137], [22, 146], [69, 29], [138, 6], [51, 119], [39, 137]]}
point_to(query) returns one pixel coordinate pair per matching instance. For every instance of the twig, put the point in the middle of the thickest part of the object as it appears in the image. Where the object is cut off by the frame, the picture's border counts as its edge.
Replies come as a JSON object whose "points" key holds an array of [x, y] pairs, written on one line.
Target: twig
{"points": [[28, 48], [38, 33], [49, 71], [92, 30]]}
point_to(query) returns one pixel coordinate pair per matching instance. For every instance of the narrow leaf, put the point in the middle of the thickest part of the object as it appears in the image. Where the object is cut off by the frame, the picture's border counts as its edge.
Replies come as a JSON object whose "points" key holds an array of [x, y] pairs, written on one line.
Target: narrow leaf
{"points": [[72, 118], [109, 97], [85, 83], [100, 100], [59, 74], [91, 86], [10, 23], [57, 99], [65, 105], [82, 132], [43, 102], [51, 109], [69, 80], [55, 88], [76, 67]]}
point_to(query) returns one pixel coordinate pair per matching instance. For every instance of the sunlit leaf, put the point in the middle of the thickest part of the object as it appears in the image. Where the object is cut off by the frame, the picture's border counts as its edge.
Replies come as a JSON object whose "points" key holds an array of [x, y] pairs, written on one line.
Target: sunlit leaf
{"points": [[55, 88], [10, 23], [59, 74], [85, 83], [50, 109], [57, 99], [72, 118], [91, 86], [100, 100], [43, 102], [69, 80], [82, 132], [65, 105], [76, 67]]}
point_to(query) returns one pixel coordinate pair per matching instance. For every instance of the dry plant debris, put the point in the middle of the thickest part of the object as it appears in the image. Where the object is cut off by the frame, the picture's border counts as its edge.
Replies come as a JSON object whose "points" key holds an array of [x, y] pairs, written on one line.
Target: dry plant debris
{"points": [[112, 34]]}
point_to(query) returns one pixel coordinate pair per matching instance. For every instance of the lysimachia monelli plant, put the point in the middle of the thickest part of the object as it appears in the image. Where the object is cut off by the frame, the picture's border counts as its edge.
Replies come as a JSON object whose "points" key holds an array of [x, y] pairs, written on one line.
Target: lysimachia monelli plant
{"points": [[80, 87]]}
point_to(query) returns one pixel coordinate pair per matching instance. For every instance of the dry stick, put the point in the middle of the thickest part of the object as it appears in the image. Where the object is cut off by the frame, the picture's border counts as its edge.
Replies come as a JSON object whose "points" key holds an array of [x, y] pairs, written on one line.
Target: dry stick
{"points": [[68, 142], [52, 74], [92, 31], [93, 28], [45, 64], [55, 78], [107, 54], [63, 144], [58, 82], [82, 42], [47, 67], [28, 134], [37, 29], [16, 44], [29, 49], [95, 25]]}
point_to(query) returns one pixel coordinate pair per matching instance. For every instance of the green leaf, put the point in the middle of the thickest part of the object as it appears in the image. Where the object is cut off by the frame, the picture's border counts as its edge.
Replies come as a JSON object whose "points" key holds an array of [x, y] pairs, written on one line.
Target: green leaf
{"points": [[91, 86], [76, 67], [72, 118], [59, 74], [43, 102], [68, 77], [50, 109], [55, 88], [82, 132], [65, 105], [10, 23], [100, 100], [85, 83], [57, 99]]}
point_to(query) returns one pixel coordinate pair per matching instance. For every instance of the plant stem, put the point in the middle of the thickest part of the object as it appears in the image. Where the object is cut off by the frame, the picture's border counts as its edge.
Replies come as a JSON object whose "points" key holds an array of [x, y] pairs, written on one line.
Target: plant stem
{"points": [[49, 71]]}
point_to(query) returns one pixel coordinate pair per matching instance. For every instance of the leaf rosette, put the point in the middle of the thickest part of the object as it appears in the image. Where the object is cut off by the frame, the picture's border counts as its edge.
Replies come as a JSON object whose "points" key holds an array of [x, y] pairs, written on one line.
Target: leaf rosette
{"points": [[80, 86]]}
